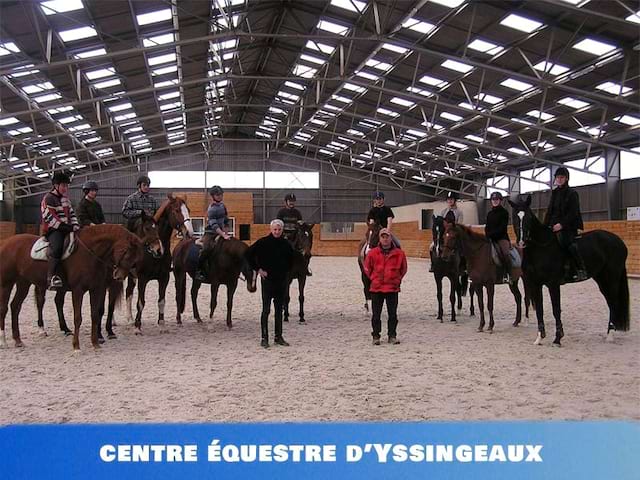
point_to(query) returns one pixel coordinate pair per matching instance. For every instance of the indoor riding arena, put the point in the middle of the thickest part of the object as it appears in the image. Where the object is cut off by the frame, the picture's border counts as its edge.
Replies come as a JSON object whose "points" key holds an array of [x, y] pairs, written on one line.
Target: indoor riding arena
{"points": [[203, 122]]}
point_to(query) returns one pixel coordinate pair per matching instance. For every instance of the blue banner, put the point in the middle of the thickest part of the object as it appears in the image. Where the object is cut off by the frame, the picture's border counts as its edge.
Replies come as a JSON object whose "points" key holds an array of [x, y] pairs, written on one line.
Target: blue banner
{"points": [[495, 450]]}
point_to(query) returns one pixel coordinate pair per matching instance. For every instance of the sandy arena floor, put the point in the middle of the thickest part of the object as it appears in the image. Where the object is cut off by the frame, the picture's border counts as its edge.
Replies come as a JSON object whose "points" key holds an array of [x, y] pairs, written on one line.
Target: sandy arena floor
{"points": [[202, 373]]}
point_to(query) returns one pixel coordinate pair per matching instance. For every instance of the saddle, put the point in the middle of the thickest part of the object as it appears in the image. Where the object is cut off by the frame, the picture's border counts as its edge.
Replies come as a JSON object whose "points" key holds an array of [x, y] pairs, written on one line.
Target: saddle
{"points": [[40, 249], [516, 261]]}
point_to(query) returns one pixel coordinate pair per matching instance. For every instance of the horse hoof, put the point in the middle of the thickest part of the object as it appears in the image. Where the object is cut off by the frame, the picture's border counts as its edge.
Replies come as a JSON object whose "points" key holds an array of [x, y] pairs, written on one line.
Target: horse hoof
{"points": [[42, 332], [138, 331], [480, 330], [285, 320], [101, 340], [516, 323], [556, 343], [19, 344], [96, 346], [302, 322], [539, 339], [112, 336], [453, 320], [490, 331]]}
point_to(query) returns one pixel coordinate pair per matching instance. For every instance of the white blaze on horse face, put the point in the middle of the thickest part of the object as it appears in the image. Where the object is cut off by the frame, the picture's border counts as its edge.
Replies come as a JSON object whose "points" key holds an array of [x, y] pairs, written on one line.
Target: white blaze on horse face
{"points": [[521, 217], [187, 220], [438, 240]]}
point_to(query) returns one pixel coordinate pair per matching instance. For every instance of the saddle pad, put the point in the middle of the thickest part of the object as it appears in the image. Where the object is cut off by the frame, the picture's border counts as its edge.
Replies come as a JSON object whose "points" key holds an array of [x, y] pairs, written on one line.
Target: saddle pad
{"points": [[40, 248], [516, 261]]}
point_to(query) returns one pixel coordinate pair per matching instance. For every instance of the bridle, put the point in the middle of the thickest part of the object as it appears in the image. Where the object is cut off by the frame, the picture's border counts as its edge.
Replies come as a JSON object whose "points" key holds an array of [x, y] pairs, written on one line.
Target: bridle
{"points": [[112, 265]]}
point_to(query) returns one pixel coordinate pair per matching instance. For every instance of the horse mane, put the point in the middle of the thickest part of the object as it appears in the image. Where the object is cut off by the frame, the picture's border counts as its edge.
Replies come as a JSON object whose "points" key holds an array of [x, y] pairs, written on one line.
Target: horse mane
{"points": [[162, 208], [475, 236]]}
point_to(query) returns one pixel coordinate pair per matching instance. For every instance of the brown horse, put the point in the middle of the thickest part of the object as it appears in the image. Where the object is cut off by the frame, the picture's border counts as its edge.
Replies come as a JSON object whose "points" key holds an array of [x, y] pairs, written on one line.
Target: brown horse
{"points": [[481, 269], [146, 229], [104, 252], [302, 244], [173, 214], [224, 268], [371, 240]]}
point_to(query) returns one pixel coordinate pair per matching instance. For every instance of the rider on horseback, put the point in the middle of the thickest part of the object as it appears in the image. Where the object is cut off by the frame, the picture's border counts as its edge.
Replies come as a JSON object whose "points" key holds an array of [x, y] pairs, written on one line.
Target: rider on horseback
{"points": [[291, 217], [496, 230], [565, 219], [58, 220], [217, 224], [89, 209], [452, 207], [140, 202], [382, 215]]}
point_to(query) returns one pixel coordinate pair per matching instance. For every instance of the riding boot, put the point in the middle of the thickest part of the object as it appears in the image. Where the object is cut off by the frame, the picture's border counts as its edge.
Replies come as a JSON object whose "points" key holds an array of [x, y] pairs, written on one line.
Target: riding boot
{"points": [[580, 268], [54, 282], [201, 274]]}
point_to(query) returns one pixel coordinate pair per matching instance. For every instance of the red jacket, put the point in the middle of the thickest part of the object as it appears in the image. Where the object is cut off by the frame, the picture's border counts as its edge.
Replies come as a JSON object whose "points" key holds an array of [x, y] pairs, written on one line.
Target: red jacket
{"points": [[385, 270]]}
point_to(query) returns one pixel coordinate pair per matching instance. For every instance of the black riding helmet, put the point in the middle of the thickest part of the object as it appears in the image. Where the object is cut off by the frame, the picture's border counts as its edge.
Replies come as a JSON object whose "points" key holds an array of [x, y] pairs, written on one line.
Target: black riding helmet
{"points": [[89, 185], [143, 179], [60, 177], [378, 195], [216, 190], [497, 195], [453, 195], [290, 197], [562, 171]]}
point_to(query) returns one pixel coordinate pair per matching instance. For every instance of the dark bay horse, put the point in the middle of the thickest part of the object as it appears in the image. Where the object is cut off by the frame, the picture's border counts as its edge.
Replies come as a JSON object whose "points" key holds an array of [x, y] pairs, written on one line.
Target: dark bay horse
{"points": [[370, 241], [482, 270], [604, 255], [104, 252], [146, 229], [173, 214], [224, 269], [302, 244], [450, 267]]}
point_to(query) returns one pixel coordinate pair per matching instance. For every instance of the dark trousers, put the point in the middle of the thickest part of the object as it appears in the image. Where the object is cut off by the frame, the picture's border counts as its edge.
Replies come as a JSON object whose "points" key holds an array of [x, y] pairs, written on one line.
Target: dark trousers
{"points": [[377, 300], [272, 290], [56, 243]]}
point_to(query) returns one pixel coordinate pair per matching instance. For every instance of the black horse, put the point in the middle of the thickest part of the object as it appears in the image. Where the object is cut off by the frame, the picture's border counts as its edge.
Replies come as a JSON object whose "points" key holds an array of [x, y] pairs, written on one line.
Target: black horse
{"points": [[370, 241], [544, 262], [302, 243], [224, 268], [450, 268]]}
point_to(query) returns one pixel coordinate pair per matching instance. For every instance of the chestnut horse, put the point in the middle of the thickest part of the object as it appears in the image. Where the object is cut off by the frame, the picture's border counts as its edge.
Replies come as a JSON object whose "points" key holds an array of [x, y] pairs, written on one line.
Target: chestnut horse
{"points": [[302, 244], [370, 241], [146, 229], [481, 269], [104, 252], [173, 214], [224, 268]]}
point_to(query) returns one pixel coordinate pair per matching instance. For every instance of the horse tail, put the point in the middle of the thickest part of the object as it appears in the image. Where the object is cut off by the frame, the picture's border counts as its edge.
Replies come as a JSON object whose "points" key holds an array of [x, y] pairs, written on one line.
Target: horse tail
{"points": [[622, 319], [116, 289], [464, 284]]}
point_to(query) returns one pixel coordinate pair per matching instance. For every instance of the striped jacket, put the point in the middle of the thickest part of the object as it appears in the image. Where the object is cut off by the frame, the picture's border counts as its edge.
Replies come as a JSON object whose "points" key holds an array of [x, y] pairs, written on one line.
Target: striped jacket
{"points": [[56, 209], [136, 203]]}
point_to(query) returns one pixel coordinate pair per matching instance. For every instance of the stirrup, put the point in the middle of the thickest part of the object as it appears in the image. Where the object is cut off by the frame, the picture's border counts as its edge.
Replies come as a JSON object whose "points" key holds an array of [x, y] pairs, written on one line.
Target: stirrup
{"points": [[55, 283]]}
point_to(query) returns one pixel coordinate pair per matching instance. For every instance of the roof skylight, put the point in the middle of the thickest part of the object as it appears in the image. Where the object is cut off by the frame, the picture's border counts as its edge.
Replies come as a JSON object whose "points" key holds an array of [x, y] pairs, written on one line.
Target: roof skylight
{"points": [[451, 116], [418, 26], [542, 115], [485, 47], [333, 27], [77, 34], [320, 47], [394, 48], [90, 53], [552, 68], [101, 73], [628, 120], [158, 40], [573, 103], [594, 47], [60, 6], [516, 84], [351, 5], [457, 66], [166, 58], [614, 88], [402, 102], [154, 17], [523, 24], [108, 83], [485, 97], [436, 82]]}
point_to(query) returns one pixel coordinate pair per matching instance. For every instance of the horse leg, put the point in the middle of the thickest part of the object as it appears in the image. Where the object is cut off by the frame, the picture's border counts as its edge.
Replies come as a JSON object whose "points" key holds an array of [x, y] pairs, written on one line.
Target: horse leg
{"points": [[162, 292], [231, 290], [22, 289], [610, 291], [302, 280], [214, 299], [286, 300], [195, 286], [452, 296], [536, 297], [439, 296], [554, 292], [131, 285], [513, 286], [40, 294], [367, 294], [96, 297], [114, 291], [480, 295], [5, 293], [490, 293], [181, 293], [59, 301], [142, 288], [77, 295], [472, 311], [459, 291]]}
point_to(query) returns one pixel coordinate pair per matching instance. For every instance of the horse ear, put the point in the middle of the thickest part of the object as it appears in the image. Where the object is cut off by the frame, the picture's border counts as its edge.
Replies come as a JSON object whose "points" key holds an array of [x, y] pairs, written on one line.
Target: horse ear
{"points": [[528, 201], [513, 205], [171, 197]]}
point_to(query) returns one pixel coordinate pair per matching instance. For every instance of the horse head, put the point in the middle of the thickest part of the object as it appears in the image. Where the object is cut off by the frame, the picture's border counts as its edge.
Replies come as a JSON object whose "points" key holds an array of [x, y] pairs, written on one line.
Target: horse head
{"points": [[522, 220], [128, 252], [250, 275], [303, 241], [175, 212], [437, 231], [451, 242], [372, 237], [146, 228]]}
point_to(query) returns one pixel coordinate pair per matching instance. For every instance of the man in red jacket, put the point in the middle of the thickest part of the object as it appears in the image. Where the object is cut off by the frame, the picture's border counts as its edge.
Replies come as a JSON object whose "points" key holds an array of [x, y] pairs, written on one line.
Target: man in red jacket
{"points": [[385, 266]]}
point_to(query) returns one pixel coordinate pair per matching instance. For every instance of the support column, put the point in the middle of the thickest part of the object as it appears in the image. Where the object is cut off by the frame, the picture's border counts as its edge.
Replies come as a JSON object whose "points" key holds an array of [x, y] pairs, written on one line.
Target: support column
{"points": [[614, 193]]}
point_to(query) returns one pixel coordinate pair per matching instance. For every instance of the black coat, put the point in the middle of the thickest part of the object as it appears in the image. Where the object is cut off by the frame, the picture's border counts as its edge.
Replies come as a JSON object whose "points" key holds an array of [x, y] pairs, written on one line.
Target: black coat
{"points": [[497, 224], [273, 255], [380, 215], [89, 212], [564, 208]]}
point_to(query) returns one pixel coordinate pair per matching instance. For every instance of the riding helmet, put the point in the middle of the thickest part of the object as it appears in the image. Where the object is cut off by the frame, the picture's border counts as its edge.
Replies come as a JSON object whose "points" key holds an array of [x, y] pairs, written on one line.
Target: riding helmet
{"points": [[453, 195], [562, 171], [290, 197], [497, 195], [89, 185], [378, 195], [60, 177], [143, 179], [216, 190]]}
